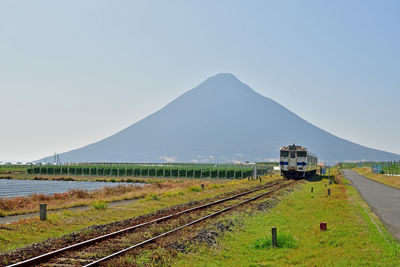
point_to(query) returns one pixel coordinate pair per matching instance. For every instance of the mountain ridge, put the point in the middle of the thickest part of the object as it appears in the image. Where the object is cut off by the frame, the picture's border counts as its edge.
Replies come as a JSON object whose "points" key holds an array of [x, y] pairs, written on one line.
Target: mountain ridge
{"points": [[220, 120]]}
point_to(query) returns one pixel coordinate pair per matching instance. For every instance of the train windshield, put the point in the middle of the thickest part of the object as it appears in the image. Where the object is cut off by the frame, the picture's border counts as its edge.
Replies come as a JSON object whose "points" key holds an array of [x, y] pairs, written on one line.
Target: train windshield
{"points": [[301, 154], [284, 153]]}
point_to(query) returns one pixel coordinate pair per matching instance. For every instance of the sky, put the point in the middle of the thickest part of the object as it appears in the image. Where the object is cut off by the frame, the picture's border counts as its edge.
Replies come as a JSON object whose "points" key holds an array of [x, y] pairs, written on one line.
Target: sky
{"points": [[75, 72]]}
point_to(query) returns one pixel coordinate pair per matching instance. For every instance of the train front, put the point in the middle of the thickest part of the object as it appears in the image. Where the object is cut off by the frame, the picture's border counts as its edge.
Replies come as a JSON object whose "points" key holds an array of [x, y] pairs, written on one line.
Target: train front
{"points": [[293, 161]]}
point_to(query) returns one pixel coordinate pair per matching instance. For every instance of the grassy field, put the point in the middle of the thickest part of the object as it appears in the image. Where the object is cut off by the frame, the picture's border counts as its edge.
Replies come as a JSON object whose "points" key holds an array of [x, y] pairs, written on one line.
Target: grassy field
{"points": [[352, 238], [384, 179], [77, 198], [30, 231]]}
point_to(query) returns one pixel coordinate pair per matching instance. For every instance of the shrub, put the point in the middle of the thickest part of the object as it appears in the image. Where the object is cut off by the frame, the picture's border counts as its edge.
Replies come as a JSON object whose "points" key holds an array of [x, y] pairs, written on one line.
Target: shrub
{"points": [[77, 193], [78, 170], [93, 171], [206, 173], [195, 189], [217, 186], [121, 171], [173, 194], [152, 172], [190, 173], [99, 205], [129, 172], [167, 173], [283, 241], [144, 172], [182, 172], [153, 196], [197, 173], [159, 172]]}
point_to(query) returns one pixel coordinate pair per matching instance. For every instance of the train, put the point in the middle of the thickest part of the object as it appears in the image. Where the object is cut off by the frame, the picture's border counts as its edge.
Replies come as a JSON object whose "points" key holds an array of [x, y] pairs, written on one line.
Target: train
{"points": [[296, 162]]}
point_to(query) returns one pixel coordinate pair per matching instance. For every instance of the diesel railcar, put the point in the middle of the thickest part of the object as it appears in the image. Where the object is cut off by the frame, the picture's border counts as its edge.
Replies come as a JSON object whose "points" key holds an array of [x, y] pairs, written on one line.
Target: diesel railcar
{"points": [[296, 162]]}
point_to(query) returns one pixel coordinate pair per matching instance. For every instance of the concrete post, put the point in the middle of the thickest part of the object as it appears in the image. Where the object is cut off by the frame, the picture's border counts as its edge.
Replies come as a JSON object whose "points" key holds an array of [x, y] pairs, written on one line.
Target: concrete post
{"points": [[43, 212], [274, 237]]}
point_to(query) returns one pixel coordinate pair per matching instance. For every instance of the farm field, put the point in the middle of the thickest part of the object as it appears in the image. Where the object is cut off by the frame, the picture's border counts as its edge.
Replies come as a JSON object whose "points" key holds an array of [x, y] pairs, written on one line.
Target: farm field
{"points": [[181, 170], [352, 238], [16, 187]]}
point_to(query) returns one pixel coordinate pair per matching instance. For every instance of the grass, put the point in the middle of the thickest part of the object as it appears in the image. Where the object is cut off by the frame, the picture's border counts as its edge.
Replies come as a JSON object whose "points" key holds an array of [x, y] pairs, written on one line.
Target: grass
{"points": [[33, 230], [195, 189], [100, 205], [352, 239], [76, 198], [283, 241], [393, 181]]}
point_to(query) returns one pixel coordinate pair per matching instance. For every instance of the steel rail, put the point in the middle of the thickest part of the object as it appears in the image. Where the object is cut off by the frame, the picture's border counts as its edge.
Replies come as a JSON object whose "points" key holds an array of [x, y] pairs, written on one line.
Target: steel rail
{"points": [[97, 262], [51, 254]]}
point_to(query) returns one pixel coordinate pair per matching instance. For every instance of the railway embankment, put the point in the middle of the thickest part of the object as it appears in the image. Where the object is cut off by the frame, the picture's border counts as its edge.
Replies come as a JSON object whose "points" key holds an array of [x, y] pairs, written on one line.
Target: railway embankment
{"points": [[152, 198], [354, 235], [240, 237]]}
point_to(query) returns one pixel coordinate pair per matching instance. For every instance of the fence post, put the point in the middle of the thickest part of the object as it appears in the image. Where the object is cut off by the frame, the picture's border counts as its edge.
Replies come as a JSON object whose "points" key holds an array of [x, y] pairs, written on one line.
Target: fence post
{"points": [[43, 212], [274, 237]]}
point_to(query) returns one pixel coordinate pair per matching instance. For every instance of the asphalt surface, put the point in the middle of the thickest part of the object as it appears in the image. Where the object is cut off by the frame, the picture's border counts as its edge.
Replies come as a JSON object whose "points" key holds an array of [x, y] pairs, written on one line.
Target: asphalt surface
{"points": [[383, 200]]}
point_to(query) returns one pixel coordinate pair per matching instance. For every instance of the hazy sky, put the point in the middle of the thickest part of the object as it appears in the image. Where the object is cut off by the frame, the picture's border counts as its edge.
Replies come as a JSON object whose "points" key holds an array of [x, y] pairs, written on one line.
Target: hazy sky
{"points": [[74, 72]]}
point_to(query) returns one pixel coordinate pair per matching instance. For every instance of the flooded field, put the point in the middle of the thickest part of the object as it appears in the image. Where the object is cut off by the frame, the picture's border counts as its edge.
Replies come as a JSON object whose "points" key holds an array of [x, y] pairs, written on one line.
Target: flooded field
{"points": [[13, 188]]}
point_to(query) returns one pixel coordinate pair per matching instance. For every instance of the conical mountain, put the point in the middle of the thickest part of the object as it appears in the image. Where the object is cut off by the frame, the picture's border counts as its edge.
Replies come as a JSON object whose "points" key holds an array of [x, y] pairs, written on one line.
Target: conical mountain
{"points": [[220, 120]]}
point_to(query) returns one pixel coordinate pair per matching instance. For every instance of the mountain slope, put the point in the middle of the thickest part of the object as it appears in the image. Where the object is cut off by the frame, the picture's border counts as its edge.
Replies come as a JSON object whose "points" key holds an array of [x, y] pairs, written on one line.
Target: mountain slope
{"points": [[220, 120]]}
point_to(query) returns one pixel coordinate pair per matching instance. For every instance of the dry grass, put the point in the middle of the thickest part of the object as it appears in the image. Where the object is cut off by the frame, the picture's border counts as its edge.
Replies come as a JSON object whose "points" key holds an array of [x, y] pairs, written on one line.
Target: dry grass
{"points": [[72, 198]]}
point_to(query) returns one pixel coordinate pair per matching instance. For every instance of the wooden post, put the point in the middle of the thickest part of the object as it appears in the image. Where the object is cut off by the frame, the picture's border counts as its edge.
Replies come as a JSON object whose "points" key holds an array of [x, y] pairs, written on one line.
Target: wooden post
{"points": [[312, 189], [329, 191], [274, 237], [43, 212]]}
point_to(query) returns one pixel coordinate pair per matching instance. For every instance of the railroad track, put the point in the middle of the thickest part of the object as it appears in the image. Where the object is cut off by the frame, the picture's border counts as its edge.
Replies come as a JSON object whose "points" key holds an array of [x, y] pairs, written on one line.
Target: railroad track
{"points": [[98, 250]]}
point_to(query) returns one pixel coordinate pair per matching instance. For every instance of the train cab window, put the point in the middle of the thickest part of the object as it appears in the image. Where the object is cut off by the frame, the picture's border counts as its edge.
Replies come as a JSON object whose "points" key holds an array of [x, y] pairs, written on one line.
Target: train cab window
{"points": [[301, 154], [292, 155], [284, 153]]}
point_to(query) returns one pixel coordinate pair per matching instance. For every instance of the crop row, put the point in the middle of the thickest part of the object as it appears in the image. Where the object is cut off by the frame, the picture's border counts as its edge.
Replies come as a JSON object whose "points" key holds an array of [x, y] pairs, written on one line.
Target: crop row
{"points": [[144, 171]]}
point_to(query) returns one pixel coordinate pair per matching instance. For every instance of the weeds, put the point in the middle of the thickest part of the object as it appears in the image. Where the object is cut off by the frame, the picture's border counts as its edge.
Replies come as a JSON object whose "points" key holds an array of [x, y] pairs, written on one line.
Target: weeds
{"points": [[100, 205], [195, 189], [283, 241], [153, 196], [173, 194]]}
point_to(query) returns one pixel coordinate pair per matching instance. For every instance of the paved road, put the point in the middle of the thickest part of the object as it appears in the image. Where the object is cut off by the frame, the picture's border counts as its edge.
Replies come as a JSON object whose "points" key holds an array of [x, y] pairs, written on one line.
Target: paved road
{"points": [[384, 200]]}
